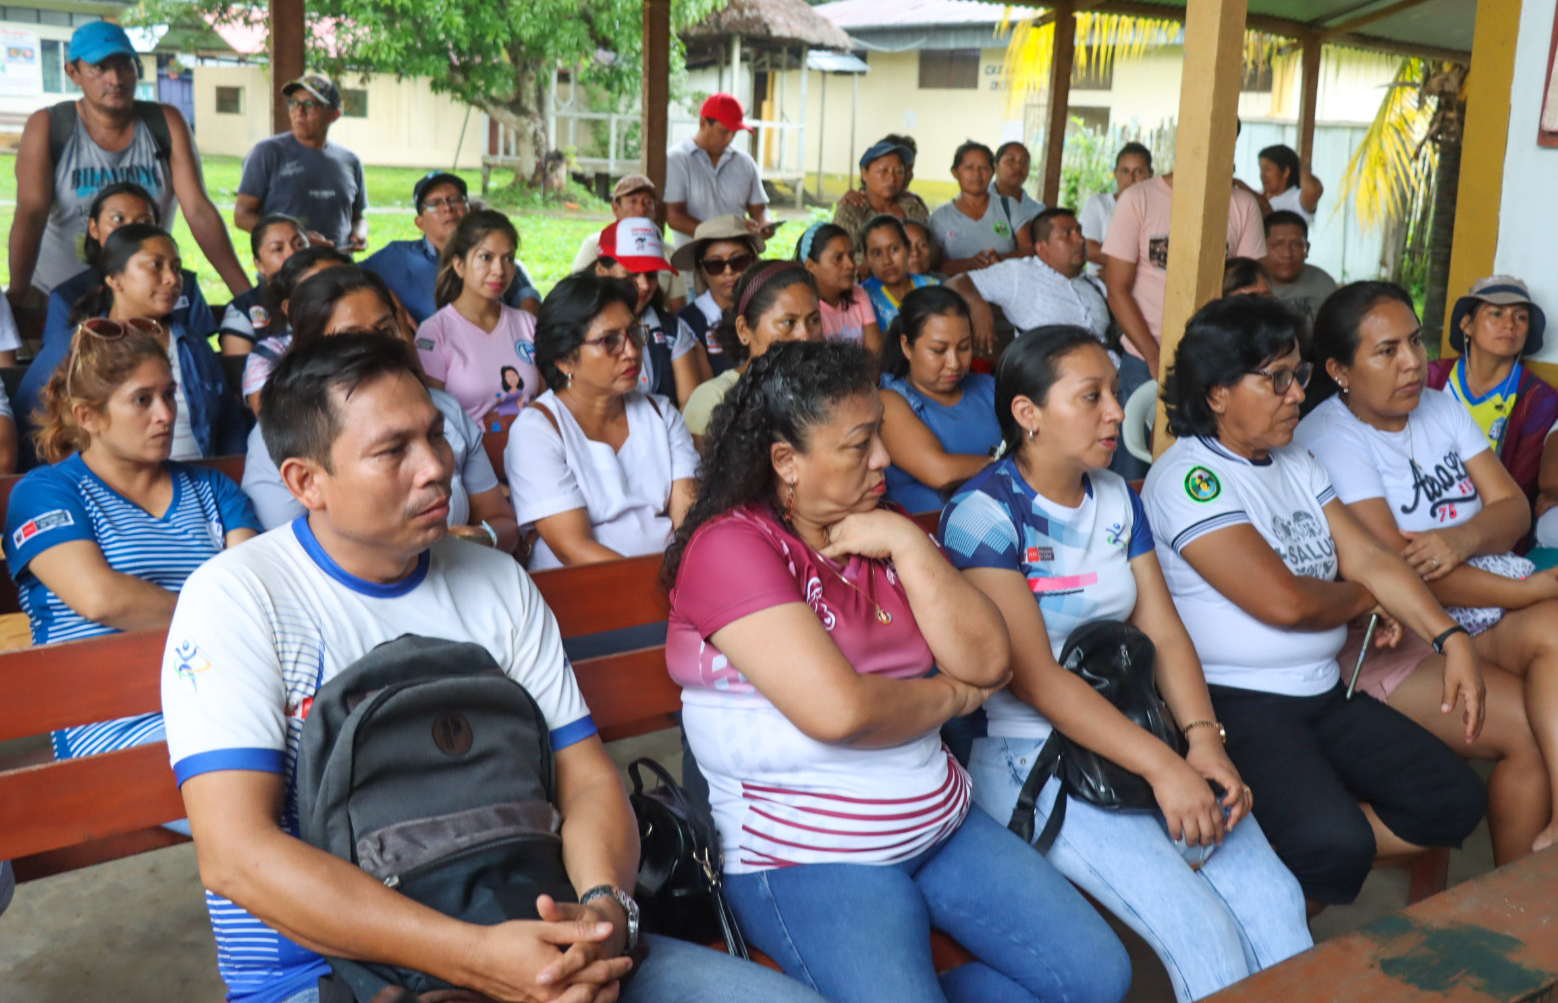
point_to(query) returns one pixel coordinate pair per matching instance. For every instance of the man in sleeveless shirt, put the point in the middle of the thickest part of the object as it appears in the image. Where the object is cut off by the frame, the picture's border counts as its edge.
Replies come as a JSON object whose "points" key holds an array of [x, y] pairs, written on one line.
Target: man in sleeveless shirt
{"points": [[304, 175], [109, 143]]}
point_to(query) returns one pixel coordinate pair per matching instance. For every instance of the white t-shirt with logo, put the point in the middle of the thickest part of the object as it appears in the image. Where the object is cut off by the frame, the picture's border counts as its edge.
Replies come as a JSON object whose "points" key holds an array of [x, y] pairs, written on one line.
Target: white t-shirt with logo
{"points": [[1198, 487], [259, 628], [1419, 471]]}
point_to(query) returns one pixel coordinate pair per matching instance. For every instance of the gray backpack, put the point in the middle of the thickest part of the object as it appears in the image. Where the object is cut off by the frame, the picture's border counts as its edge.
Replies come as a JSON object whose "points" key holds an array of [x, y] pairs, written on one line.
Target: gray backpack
{"points": [[426, 766]]}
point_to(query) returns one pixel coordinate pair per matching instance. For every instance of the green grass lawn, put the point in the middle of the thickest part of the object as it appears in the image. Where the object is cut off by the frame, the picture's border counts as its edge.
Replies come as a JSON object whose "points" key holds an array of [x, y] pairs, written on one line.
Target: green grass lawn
{"points": [[549, 236]]}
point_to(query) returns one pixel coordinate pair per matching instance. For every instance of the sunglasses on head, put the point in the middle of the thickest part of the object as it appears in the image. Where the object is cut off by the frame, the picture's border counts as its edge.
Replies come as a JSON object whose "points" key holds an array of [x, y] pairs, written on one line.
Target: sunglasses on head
{"points": [[105, 329], [718, 266]]}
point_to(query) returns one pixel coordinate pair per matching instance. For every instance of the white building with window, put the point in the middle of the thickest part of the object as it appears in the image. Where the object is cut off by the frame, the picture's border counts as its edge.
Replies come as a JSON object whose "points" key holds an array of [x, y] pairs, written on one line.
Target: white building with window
{"points": [[34, 47]]}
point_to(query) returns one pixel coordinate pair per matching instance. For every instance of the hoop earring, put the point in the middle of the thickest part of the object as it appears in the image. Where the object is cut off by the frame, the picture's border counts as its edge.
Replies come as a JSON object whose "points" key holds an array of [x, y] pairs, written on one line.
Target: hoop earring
{"points": [[1030, 435]]}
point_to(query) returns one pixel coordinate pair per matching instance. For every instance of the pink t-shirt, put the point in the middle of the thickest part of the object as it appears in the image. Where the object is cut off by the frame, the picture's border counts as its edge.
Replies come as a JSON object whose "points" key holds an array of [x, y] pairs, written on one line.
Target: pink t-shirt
{"points": [[781, 798], [484, 372], [1139, 232], [848, 320]]}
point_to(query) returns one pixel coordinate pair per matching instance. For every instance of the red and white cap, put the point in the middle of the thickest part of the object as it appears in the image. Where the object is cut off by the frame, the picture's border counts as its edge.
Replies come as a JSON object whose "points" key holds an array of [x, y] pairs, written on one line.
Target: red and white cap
{"points": [[636, 243]]}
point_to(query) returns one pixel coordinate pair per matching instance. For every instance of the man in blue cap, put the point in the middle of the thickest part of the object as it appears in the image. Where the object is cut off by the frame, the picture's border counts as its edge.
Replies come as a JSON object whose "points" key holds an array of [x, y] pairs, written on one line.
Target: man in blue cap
{"points": [[71, 151], [410, 267], [301, 174]]}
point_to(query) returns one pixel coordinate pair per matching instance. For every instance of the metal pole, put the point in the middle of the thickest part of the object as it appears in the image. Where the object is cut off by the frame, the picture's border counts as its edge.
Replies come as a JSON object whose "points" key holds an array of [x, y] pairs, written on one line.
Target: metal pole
{"points": [[822, 130], [854, 106], [800, 138]]}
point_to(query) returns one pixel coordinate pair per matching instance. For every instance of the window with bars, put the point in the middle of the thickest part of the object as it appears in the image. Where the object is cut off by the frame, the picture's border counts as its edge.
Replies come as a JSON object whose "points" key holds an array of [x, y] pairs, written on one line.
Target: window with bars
{"points": [[949, 69]]}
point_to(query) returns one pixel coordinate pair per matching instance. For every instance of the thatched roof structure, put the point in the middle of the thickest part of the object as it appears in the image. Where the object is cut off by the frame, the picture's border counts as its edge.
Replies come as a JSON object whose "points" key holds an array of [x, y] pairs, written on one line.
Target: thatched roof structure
{"points": [[781, 22]]}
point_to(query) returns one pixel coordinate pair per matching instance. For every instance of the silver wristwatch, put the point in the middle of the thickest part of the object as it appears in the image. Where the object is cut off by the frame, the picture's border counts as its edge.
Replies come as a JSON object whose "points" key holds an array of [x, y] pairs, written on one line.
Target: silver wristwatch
{"points": [[628, 906]]}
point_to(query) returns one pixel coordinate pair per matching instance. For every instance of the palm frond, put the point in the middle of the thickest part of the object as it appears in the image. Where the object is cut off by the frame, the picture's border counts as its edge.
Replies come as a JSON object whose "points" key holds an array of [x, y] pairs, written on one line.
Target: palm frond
{"points": [[1392, 160]]}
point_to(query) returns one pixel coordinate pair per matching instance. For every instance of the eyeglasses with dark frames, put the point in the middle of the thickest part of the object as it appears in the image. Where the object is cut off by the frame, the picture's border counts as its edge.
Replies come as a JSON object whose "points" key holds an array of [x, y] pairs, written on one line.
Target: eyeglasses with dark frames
{"points": [[1282, 379]]}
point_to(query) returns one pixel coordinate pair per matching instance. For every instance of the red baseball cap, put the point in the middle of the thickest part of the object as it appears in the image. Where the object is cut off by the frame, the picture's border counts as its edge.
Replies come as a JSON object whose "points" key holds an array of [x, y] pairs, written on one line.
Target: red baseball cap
{"points": [[726, 110], [636, 243]]}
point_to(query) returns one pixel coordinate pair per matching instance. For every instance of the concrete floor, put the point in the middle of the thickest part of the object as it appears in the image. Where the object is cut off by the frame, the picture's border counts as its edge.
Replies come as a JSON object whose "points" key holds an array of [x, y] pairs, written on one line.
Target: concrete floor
{"points": [[135, 930]]}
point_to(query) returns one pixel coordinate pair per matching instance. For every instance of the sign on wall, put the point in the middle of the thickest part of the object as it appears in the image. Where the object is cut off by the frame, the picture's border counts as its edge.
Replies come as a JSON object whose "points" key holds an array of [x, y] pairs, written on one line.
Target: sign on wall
{"points": [[21, 68]]}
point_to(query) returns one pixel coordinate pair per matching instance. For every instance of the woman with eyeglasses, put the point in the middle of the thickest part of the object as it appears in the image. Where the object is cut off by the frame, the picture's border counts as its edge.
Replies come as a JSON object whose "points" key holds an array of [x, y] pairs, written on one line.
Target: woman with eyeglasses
{"points": [[102, 539], [1418, 474], [142, 278], [351, 300], [721, 249], [774, 301], [673, 362], [248, 320], [596, 466], [466, 345], [1267, 567]]}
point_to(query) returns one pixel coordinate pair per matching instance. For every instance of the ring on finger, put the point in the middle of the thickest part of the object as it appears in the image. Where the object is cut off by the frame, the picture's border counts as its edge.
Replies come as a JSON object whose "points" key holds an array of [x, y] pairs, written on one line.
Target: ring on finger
{"points": [[1435, 562]]}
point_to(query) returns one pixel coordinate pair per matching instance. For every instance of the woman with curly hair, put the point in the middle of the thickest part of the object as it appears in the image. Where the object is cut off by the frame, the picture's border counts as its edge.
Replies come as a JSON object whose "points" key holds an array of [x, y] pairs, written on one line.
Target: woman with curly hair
{"points": [[821, 640]]}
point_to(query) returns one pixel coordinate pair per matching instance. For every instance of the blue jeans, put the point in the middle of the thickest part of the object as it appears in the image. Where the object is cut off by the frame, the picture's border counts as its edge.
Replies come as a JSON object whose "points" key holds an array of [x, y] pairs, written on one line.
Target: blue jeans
{"points": [[1133, 373], [1241, 912], [859, 933], [679, 972]]}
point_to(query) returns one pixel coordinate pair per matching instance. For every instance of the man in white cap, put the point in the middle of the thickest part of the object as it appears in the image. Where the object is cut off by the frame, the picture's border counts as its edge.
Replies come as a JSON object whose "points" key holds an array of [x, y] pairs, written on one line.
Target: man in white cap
{"points": [[706, 177], [71, 151], [301, 174], [633, 196]]}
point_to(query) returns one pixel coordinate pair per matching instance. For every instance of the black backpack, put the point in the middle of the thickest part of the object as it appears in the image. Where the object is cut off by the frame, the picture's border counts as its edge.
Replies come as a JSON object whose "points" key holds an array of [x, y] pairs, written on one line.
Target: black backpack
{"points": [[426, 766], [1117, 660], [64, 120]]}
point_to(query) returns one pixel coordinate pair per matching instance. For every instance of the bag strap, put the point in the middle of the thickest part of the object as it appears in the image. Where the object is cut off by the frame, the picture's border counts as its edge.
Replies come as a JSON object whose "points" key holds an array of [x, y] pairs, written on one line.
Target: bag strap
{"points": [[550, 417], [652, 403], [151, 115], [1046, 764], [62, 125]]}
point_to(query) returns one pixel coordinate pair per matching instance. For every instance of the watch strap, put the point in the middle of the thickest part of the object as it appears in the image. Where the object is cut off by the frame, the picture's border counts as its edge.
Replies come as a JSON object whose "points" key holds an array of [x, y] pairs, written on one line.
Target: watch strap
{"points": [[1438, 643], [629, 907]]}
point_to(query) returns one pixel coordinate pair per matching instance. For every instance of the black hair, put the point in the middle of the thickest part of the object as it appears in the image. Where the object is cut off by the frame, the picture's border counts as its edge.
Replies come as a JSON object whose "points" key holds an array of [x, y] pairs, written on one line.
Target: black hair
{"points": [[1000, 151], [1241, 273], [775, 281], [503, 376], [781, 398], [1285, 159], [257, 235], [1134, 149], [471, 231], [819, 241], [930, 238], [918, 307], [566, 314], [1286, 217], [1335, 334], [971, 146], [1041, 225], [91, 247], [879, 221], [905, 141], [278, 288], [121, 245], [314, 299], [302, 418], [1029, 368], [1224, 342]]}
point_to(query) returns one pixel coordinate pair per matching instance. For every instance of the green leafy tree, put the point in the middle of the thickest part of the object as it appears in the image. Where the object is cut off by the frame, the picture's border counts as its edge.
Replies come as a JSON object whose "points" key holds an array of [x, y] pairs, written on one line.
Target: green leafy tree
{"points": [[496, 55]]}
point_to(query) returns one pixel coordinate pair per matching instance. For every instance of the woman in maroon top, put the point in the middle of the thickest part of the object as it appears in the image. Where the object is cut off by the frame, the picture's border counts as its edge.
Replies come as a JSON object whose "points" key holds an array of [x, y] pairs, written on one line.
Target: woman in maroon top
{"points": [[821, 639]]}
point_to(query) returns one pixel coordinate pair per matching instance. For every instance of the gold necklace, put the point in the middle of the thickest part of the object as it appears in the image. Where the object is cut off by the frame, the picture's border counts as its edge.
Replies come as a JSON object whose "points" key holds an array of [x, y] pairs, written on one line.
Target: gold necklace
{"points": [[882, 616]]}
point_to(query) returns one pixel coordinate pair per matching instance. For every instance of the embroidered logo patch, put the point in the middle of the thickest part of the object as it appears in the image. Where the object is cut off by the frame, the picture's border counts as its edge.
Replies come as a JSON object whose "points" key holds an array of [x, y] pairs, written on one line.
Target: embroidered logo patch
{"points": [[1001, 230], [1202, 485], [189, 663], [1037, 554], [41, 524], [259, 316], [425, 344]]}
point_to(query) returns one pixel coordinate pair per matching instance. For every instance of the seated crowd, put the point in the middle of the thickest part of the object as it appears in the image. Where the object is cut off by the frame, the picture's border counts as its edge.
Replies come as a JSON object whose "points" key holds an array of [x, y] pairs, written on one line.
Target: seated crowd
{"points": [[866, 704]]}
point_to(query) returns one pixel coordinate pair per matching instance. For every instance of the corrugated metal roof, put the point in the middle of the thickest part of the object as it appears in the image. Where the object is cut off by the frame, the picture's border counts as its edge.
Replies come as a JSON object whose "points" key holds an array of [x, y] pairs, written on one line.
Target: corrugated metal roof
{"points": [[853, 14]]}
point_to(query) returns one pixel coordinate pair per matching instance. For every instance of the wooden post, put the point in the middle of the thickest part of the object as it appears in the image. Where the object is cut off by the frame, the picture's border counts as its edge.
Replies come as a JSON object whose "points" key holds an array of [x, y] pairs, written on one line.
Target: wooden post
{"points": [[286, 55], [1065, 28], [1483, 139], [1309, 98], [657, 90], [1203, 170]]}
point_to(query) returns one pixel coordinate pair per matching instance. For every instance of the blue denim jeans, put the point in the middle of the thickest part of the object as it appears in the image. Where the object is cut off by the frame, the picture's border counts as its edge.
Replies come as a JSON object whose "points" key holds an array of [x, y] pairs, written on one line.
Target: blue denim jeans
{"points": [[859, 933], [1242, 911], [1133, 373], [679, 972]]}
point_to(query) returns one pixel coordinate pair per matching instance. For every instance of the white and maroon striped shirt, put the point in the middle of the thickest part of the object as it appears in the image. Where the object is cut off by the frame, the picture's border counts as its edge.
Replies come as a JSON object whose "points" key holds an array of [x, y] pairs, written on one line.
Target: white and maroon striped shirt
{"points": [[781, 798]]}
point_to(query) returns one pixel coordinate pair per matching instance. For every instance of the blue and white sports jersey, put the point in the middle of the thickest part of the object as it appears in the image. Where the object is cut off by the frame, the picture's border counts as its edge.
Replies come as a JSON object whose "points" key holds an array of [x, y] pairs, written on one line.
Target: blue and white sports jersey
{"points": [[68, 502], [260, 628], [1076, 560]]}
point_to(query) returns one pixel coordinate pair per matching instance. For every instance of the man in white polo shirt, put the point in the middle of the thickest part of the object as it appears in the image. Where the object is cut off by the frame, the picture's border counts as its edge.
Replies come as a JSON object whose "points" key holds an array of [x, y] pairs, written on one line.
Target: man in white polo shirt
{"points": [[360, 444], [706, 177]]}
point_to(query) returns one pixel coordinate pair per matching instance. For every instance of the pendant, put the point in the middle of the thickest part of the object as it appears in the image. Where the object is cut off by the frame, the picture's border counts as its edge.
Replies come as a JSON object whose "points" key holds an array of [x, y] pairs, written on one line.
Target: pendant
{"points": [[883, 617]]}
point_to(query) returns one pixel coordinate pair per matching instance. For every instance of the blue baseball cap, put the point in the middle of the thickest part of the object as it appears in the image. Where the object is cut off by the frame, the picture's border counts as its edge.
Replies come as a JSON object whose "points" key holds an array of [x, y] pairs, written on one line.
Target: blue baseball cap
{"points": [[879, 150], [95, 42]]}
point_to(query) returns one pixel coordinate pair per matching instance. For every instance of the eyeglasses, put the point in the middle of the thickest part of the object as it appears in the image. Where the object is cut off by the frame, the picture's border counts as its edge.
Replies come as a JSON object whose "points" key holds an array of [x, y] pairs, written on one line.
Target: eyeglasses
{"points": [[613, 343], [718, 266], [105, 329], [306, 107], [1282, 379], [451, 203]]}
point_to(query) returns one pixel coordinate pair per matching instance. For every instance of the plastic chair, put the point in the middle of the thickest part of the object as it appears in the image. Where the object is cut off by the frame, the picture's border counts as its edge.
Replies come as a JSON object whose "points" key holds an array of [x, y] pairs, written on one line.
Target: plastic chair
{"points": [[1140, 412]]}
